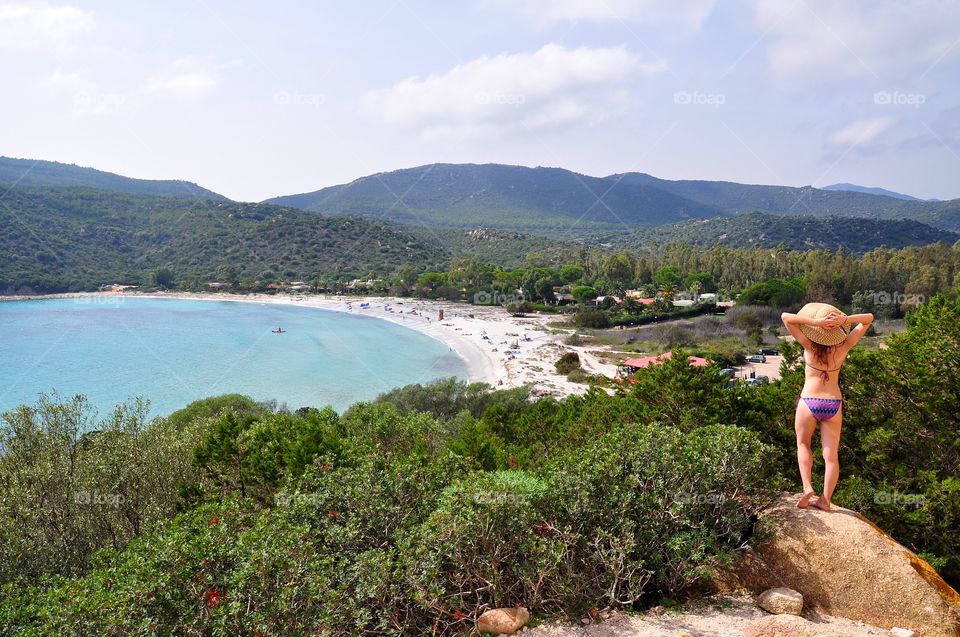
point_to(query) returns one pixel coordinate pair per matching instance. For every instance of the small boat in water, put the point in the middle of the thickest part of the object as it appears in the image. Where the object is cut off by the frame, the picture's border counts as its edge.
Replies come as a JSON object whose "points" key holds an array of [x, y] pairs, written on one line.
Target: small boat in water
{"points": [[279, 330]]}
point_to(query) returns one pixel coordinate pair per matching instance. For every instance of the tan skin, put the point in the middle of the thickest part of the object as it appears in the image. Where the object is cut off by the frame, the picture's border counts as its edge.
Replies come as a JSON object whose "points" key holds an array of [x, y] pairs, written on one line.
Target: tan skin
{"points": [[814, 386]]}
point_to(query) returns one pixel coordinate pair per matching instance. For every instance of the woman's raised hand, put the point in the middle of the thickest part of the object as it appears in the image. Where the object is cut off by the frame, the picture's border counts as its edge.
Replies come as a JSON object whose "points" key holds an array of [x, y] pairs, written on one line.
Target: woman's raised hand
{"points": [[832, 320]]}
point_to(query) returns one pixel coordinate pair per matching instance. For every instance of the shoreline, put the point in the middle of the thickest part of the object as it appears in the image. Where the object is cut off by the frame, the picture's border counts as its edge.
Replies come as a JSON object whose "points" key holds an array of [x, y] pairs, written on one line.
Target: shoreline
{"points": [[482, 336]]}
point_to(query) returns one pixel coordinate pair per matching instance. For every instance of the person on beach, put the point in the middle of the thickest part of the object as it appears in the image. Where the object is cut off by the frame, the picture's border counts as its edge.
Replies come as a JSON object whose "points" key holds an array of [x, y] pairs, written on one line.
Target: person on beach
{"points": [[826, 336]]}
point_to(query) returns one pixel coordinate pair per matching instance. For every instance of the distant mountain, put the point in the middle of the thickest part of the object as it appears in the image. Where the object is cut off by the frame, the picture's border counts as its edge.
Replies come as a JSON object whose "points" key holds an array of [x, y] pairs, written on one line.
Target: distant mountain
{"points": [[65, 239], [732, 197], [796, 232], [871, 191], [30, 172], [563, 203], [504, 197]]}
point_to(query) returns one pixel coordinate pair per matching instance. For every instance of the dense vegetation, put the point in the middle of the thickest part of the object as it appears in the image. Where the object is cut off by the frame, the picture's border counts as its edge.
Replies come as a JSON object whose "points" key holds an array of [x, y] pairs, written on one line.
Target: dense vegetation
{"points": [[736, 198], [66, 239], [71, 239], [795, 232], [415, 512], [562, 202], [901, 278], [35, 172], [549, 200]]}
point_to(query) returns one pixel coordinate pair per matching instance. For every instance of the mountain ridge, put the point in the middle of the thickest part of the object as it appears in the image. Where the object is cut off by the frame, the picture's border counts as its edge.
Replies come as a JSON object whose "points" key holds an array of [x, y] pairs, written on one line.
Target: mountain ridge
{"points": [[500, 195], [549, 198], [38, 172], [873, 190]]}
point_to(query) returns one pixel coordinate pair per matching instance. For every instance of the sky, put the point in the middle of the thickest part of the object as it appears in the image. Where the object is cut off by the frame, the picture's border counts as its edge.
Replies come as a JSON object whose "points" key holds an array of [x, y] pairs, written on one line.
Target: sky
{"points": [[257, 99]]}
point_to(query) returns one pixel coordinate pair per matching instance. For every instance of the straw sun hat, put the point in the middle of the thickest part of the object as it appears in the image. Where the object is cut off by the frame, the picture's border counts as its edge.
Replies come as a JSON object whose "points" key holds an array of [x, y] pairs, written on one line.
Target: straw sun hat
{"points": [[821, 335]]}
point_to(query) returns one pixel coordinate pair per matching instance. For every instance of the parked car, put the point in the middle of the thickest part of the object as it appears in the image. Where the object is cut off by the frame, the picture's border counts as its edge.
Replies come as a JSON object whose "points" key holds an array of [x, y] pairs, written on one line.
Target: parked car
{"points": [[766, 351], [727, 372], [757, 358], [759, 380]]}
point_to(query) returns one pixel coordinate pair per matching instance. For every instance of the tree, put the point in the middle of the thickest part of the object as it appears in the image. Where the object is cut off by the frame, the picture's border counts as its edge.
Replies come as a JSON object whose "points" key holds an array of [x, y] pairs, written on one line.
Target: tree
{"points": [[73, 483], [227, 274], [668, 278], [571, 273], [618, 268], [775, 293], [544, 289], [704, 279], [583, 293], [163, 278], [431, 280]]}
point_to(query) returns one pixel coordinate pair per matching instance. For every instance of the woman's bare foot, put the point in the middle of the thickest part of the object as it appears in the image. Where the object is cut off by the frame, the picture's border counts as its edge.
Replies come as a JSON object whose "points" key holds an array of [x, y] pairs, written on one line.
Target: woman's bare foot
{"points": [[805, 499], [821, 504]]}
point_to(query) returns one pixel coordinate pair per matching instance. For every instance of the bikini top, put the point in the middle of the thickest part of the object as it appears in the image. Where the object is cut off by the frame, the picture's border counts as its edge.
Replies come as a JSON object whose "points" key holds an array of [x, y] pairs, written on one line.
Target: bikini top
{"points": [[824, 373]]}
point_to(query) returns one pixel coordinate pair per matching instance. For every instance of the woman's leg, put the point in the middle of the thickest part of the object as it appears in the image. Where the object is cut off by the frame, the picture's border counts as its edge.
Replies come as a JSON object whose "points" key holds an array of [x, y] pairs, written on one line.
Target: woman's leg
{"points": [[805, 424], [830, 440]]}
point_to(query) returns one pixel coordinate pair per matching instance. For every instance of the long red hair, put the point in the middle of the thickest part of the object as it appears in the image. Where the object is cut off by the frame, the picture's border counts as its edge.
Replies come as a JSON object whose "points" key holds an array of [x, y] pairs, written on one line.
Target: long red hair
{"points": [[822, 352]]}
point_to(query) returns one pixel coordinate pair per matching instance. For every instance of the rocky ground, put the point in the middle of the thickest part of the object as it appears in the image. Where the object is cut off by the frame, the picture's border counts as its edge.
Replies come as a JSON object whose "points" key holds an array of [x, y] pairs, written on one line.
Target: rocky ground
{"points": [[725, 616]]}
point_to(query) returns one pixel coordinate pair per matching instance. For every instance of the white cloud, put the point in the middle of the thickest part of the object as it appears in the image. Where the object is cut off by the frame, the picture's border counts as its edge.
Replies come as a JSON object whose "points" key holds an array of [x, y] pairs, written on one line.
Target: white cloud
{"points": [[688, 15], [885, 41], [40, 25], [489, 95], [186, 76], [71, 81], [859, 134]]}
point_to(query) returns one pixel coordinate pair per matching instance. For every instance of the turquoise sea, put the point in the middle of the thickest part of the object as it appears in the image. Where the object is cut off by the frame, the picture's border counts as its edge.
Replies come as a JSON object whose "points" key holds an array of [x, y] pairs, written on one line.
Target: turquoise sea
{"points": [[174, 351]]}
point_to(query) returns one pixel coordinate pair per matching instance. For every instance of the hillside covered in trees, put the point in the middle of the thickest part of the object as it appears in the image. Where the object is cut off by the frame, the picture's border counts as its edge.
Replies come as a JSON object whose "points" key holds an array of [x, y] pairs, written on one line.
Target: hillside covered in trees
{"points": [[562, 202], [72, 239], [64, 239], [36, 172], [796, 232]]}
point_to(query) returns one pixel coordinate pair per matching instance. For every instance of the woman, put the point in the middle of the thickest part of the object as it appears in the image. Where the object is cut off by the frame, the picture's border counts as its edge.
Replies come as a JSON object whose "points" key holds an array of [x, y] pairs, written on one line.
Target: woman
{"points": [[824, 331]]}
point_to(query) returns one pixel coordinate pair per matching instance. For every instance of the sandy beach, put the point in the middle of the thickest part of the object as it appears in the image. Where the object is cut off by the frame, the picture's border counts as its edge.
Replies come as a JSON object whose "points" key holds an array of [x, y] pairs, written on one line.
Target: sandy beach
{"points": [[498, 349]]}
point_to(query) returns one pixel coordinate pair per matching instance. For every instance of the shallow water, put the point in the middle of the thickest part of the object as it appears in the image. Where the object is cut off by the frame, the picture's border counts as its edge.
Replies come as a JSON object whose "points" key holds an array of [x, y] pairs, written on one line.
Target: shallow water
{"points": [[174, 351]]}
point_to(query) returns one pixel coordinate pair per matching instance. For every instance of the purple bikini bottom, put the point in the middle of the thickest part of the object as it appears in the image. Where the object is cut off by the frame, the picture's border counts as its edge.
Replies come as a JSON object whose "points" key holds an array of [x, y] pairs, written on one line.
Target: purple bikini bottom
{"points": [[823, 408]]}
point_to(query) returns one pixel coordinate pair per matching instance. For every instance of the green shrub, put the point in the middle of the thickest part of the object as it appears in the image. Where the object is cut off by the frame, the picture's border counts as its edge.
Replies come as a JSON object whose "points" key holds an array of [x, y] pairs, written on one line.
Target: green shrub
{"points": [[255, 454], [71, 483], [649, 508], [567, 362], [519, 308], [486, 545], [592, 318], [445, 398]]}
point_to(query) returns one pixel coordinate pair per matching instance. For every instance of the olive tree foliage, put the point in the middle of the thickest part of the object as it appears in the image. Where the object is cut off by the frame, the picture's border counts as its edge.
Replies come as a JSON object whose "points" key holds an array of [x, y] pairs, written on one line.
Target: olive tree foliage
{"points": [[72, 483]]}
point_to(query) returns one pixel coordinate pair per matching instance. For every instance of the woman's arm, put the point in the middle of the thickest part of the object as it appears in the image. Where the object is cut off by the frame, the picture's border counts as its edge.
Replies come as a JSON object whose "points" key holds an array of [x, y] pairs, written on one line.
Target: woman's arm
{"points": [[863, 324], [797, 319], [863, 319], [792, 323]]}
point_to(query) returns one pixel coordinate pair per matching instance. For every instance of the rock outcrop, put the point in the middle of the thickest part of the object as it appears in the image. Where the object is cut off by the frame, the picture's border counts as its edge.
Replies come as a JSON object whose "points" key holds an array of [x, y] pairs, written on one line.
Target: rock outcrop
{"points": [[846, 566], [781, 601], [503, 621]]}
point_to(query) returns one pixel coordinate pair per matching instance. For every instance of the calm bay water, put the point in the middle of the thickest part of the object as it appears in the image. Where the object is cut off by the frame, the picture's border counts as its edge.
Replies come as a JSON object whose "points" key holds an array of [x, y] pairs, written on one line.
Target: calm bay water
{"points": [[174, 351]]}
